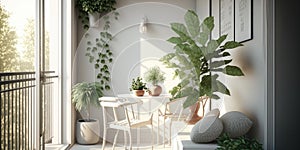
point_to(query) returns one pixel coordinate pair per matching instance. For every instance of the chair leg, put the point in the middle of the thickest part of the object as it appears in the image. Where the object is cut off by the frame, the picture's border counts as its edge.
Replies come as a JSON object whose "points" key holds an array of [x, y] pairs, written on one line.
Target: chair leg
{"points": [[114, 144], [164, 130], [125, 138], [170, 132], [152, 136], [104, 139], [130, 139]]}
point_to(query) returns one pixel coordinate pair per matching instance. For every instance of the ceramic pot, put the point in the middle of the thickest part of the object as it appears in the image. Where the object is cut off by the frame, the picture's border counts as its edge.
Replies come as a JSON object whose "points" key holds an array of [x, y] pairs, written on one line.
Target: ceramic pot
{"points": [[194, 117], [87, 132], [139, 92], [155, 90], [93, 18]]}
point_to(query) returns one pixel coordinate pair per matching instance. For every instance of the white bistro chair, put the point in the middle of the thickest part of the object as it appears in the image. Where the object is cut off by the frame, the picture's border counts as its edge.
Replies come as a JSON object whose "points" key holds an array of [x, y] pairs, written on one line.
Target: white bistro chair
{"points": [[130, 121], [173, 111]]}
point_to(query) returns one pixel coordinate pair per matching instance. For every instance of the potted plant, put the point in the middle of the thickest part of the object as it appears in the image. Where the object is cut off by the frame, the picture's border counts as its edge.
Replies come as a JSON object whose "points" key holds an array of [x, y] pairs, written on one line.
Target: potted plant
{"points": [[154, 75], [83, 95], [138, 86], [242, 142], [198, 60], [95, 8]]}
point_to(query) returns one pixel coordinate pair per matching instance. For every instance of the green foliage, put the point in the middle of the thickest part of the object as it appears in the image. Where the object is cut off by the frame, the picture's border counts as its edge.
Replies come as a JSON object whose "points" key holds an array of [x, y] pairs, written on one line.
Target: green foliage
{"points": [[138, 84], [85, 94], [8, 39], [94, 6], [241, 143], [100, 6], [198, 59], [28, 59], [154, 75], [99, 51]]}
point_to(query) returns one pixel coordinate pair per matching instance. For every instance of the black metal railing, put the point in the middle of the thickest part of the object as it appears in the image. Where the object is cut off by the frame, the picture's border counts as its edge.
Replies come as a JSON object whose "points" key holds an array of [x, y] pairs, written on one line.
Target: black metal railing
{"points": [[17, 91]]}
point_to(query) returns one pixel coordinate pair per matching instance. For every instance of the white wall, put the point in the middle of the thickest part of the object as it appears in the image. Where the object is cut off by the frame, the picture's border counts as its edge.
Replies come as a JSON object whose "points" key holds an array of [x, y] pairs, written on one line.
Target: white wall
{"points": [[134, 52], [248, 93]]}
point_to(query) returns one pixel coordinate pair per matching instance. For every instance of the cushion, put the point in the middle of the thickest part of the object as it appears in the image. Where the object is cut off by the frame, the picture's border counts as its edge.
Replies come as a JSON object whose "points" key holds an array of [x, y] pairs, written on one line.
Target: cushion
{"points": [[207, 129], [236, 124]]}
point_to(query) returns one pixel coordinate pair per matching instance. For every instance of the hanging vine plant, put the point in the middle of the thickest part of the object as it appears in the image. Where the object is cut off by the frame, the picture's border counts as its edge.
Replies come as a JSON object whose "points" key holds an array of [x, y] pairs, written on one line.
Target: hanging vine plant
{"points": [[98, 51]]}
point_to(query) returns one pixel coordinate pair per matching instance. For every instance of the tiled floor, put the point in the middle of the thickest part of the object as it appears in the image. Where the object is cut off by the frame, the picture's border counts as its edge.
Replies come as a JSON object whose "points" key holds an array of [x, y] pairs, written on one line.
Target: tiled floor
{"points": [[109, 147]]}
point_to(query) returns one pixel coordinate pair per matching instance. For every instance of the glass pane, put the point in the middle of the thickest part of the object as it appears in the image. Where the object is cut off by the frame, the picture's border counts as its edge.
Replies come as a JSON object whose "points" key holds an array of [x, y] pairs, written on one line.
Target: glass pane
{"points": [[51, 55], [17, 35], [17, 40]]}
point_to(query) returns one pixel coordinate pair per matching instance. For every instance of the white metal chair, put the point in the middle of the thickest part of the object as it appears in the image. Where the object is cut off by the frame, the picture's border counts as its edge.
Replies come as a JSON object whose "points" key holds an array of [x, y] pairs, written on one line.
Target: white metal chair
{"points": [[130, 122], [173, 111]]}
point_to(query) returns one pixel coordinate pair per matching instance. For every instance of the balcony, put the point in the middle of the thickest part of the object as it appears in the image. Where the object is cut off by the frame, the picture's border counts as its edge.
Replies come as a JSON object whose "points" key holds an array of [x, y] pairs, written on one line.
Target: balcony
{"points": [[57, 40], [17, 109]]}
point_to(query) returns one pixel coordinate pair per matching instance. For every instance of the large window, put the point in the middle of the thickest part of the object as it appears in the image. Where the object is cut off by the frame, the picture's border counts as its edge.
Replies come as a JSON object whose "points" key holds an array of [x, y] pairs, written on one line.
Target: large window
{"points": [[30, 64]]}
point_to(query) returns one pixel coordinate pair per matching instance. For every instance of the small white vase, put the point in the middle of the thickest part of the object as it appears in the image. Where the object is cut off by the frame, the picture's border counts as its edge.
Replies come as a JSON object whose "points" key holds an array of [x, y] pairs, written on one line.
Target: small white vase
{"points": [[93, 19]]}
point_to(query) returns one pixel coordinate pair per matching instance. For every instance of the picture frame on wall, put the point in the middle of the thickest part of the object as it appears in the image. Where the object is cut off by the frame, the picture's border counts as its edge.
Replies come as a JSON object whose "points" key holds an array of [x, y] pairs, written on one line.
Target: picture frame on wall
{"points": [[226, 19], [234, 18], [243, 20]]}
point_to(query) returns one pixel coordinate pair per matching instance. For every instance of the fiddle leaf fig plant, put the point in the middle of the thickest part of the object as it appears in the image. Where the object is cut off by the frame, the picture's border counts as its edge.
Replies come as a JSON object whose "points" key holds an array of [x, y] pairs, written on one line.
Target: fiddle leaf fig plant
{"points": [[198, 59]]}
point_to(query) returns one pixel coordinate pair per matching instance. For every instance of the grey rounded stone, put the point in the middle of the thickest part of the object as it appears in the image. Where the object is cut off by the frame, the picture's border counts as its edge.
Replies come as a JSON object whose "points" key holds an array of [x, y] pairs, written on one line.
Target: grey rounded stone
{"points": [[207, 129], [236, 124]]}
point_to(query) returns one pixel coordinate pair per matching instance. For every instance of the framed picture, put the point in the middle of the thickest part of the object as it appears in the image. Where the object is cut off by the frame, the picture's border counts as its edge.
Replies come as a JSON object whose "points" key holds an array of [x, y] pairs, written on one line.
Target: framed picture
{"points": [[243, 20], [226, 19]]}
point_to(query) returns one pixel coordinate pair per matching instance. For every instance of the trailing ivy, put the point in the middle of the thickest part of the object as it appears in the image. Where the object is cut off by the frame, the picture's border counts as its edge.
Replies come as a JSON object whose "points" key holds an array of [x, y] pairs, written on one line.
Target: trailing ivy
{"points": [[98, 50]]}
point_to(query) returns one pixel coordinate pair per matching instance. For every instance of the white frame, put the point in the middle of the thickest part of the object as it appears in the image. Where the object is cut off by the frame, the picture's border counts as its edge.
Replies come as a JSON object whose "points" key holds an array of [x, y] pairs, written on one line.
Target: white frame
{"points": [[243, 20], [226, 19]]}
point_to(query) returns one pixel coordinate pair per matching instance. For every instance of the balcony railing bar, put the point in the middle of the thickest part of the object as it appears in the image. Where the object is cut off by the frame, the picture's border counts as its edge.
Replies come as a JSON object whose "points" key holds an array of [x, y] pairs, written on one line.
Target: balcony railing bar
{"points": [[17, 91]]}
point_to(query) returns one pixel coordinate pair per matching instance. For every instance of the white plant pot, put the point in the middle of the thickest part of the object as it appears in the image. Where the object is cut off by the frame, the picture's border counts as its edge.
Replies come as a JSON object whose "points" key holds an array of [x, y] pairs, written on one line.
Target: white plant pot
{"points": [[87, 132], [93, 19]]}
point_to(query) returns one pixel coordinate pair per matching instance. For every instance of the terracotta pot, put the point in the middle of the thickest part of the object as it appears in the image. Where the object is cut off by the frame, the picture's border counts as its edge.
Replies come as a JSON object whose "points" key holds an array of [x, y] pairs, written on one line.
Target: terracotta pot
{"points": [[155, 90], [194, 117], [139, 92]]}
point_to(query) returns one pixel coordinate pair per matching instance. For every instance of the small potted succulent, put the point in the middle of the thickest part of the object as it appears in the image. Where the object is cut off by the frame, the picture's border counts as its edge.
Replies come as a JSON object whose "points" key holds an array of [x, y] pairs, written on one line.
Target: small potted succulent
{"points": [[138, 86], [154, 75]]}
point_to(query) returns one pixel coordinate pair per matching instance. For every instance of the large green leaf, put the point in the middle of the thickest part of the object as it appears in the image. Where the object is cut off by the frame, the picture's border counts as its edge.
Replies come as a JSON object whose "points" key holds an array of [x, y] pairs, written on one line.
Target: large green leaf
{"points": [[222, 88], [221, 39], [184, 61], [208, 84], [214, 96], [175, 40], [202, 39], [231, 45], [192, 22], [191, 99], [212, 46], [216, 64], [208, 24], [167, 57], [180, 29], [233, 71]]}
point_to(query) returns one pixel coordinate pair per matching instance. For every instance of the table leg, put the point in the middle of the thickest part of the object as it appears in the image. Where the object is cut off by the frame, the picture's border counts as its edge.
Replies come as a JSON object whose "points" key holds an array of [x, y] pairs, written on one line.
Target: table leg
{"points": [[104, 128]]}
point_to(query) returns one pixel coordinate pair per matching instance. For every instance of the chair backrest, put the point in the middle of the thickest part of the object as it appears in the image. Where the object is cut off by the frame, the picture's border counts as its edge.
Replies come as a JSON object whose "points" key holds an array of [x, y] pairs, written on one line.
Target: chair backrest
{"points": [[131, 114], [176, 107]]}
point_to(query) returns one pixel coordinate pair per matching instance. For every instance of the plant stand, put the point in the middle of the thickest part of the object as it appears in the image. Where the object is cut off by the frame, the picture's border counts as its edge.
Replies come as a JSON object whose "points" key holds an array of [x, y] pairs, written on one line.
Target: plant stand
{"points": [[194, 109]]}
